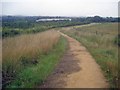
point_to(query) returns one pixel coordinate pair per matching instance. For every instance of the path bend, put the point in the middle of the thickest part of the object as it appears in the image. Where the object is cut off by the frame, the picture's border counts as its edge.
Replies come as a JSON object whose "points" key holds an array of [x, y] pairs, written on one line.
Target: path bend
{"points": [[77, 69]]}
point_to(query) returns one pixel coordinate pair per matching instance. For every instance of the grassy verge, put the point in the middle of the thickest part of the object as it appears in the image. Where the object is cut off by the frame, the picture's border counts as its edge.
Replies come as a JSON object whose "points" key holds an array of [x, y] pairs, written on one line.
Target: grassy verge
{"points": [[25, 51], [32, 76], [99, 40]]}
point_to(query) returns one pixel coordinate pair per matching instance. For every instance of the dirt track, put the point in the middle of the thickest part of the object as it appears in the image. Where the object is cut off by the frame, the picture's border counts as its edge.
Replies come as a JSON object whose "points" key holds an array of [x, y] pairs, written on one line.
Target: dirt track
{"points": [[77, 69]]}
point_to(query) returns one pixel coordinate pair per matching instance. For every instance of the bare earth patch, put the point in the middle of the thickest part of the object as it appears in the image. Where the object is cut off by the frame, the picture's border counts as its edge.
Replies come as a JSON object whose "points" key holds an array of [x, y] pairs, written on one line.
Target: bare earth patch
{"points": [[77, 69]]}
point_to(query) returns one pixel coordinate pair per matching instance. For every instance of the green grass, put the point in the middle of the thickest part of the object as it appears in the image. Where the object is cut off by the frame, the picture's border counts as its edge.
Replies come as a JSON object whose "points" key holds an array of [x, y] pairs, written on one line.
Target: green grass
{"points": [[99, 40], [35, 75]]}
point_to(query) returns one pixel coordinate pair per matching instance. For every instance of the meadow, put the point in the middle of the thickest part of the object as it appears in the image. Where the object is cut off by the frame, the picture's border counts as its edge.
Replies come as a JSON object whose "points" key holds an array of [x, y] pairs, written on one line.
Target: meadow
{"points": [[24, 54], [100, 40], [31, 50]]}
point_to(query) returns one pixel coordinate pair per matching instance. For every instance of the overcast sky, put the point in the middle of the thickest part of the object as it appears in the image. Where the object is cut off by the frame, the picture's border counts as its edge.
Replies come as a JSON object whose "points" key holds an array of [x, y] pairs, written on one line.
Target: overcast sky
{"points": [[104, 8]]}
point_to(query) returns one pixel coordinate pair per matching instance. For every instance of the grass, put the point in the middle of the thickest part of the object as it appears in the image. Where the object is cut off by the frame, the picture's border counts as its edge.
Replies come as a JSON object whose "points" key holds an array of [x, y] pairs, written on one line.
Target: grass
{"points": [[28, 59], [32, 76], [28, 45], [99, 40]]}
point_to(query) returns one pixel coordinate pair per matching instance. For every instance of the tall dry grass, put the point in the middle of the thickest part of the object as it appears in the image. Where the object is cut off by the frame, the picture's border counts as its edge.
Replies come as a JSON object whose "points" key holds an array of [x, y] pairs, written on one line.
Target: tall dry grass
{"points": [[24, 49], [28, 45]]}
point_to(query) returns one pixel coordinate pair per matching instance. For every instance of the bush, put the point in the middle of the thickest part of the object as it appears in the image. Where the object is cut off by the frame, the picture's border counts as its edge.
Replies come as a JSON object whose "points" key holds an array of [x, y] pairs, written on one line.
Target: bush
{"points": [[8, 33]]}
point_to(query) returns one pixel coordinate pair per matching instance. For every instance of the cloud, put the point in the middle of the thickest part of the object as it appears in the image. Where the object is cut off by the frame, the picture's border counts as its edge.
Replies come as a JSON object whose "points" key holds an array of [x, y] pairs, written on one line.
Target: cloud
{"points": [[61, 7]]}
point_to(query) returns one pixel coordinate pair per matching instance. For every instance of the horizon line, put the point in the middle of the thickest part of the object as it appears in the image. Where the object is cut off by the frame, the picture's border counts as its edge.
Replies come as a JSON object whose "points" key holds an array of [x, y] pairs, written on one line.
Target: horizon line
{"points": [[59, 16]]}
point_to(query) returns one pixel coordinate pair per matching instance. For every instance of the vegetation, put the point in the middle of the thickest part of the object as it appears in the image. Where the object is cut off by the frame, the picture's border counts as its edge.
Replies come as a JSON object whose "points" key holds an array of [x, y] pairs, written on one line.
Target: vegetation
{"points": [[29, 59], [100, 40], [38, 27], [16, 25], [29, 56]]}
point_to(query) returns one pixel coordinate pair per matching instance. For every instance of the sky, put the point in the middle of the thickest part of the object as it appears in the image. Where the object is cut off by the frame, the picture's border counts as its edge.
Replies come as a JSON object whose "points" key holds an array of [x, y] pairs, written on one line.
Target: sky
{"points": [[105, 8]]}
